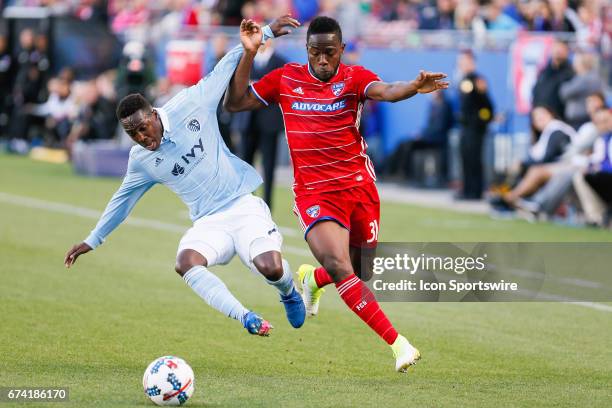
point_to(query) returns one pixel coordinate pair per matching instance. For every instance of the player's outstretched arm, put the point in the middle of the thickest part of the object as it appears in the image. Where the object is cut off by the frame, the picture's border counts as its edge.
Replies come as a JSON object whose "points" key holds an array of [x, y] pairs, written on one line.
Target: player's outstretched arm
{"points": [[135, 183], [425, 82], [238, 98]]}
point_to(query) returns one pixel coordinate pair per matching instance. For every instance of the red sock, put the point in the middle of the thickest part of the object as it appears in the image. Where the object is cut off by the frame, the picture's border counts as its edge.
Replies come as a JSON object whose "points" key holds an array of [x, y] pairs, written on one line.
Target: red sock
{"points": [[361, 300], [322, 278]]}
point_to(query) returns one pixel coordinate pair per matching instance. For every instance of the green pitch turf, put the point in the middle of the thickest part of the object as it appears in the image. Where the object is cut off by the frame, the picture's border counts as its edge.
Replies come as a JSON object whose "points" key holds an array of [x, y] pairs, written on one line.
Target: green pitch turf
{"points": [[95, 327]]}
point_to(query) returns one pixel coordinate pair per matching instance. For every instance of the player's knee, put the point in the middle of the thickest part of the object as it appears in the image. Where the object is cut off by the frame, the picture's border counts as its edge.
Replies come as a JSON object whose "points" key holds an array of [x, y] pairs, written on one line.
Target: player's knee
{"points": [[338, 268], [270, 266], [187, 259]]}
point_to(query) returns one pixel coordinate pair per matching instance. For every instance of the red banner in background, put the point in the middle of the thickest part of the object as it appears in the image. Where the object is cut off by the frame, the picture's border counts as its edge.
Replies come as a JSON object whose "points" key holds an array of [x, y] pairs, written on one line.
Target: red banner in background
{"points": [[184, 61], [529, 54]]}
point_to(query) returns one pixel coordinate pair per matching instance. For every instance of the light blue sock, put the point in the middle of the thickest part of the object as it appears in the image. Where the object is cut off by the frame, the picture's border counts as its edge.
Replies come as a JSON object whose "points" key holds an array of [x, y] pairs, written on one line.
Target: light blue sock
{"points": [[214, 292], [285, 283]]}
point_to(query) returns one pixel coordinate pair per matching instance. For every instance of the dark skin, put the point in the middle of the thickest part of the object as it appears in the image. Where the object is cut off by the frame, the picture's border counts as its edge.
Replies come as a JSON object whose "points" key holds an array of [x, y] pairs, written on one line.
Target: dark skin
{"points": [[146, 129], [328, 240]]}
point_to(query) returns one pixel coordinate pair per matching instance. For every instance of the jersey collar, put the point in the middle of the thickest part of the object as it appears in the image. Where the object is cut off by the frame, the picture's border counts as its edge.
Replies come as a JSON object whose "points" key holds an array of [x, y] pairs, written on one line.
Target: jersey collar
{"points": [[163, 116]]}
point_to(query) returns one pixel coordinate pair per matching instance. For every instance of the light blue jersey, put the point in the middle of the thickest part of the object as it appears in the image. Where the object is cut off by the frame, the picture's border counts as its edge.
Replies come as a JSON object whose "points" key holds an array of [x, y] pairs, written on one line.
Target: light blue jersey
{"points": [[192, 160]]}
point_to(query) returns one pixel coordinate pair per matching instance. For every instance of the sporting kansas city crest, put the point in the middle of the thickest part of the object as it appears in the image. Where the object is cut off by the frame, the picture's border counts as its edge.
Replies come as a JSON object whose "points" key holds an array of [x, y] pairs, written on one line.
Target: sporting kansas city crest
{"points": [[337, 88], [313, 212], [194, 125]]}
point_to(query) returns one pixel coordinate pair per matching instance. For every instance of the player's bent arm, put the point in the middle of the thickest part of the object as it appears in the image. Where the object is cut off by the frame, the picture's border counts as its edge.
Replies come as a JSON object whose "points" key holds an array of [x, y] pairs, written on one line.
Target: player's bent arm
{"points": [[425, 82], [239, 97], [211, 88]]}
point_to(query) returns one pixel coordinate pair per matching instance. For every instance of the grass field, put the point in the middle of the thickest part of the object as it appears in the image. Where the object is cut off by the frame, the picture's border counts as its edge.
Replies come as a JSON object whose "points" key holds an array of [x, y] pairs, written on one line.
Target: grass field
{"points": [[94, 328]]}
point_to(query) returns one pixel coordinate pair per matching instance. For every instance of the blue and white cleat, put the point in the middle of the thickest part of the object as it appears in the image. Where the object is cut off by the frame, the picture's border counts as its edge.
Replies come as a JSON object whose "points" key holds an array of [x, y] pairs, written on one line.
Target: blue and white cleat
{"points": [[294, 308], [255, 324]]}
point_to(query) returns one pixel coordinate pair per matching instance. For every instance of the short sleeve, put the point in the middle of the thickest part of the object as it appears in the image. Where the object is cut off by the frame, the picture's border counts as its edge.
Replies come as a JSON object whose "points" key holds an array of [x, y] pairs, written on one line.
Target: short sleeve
{"points": [[363, 79], [267, 89]]}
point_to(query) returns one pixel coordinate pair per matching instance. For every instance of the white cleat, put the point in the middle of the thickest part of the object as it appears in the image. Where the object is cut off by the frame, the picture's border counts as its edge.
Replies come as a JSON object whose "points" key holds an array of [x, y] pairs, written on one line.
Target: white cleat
{"points": [[405, 354], [311, 293]]}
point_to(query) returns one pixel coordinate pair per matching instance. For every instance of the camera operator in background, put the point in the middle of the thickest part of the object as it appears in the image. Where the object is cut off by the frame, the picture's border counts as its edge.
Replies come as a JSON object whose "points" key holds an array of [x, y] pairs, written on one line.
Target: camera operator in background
{"points": [[6, 84], [96, 119], [135, 73]]}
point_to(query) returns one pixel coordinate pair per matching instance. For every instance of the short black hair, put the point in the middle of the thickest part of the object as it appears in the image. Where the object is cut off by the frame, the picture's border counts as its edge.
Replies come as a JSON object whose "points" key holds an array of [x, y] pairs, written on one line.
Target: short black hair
{"points": [[132, 103], [324, 25]]}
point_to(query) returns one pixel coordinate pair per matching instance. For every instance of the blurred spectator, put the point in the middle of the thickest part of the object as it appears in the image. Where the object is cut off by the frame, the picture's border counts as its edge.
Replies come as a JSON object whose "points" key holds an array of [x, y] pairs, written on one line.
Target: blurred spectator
{"points": [[92, 10], [177, 16], [230, 11], [58, 112], [440, 16], [594, 188], [592, 29], [556, 72], [40, 56], [476, 111], [6, 84], [131, 14], [348, 14], [574, 92], [28, 79], [497, 20], [510, 8], [434, 136], [552, 181], [468, 18], [263, 126], [563, 17], [551, 138], [67, 74], [96, 119], [29, 86], [536, 15]]}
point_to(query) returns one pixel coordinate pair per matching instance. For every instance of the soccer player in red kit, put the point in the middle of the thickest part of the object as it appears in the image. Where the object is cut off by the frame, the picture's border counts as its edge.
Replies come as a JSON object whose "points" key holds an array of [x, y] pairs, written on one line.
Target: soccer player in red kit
{"points": [[336, 200]]}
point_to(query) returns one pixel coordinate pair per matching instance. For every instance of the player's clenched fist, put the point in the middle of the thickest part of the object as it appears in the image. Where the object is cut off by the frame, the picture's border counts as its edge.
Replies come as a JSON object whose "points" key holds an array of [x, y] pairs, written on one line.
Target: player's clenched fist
{"points": [[75, 252]]}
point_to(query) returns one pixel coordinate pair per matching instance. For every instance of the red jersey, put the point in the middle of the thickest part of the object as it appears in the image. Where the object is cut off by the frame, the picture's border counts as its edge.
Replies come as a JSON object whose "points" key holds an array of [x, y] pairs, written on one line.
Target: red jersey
{"points": [[322, 125]]}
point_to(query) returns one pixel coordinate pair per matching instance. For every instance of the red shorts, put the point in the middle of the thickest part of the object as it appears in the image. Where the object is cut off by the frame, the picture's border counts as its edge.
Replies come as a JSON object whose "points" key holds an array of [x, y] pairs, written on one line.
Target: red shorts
{"points": [[357, 209]]}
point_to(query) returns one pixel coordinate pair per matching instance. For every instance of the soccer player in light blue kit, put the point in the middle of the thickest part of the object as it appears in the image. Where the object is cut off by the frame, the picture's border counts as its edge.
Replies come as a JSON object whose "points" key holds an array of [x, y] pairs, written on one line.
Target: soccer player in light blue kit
{"points": [[179, 145]]}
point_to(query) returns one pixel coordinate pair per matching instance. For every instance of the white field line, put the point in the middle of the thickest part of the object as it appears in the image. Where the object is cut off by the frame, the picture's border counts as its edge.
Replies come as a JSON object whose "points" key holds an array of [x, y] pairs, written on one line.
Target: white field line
{"points": [[83, 212]]}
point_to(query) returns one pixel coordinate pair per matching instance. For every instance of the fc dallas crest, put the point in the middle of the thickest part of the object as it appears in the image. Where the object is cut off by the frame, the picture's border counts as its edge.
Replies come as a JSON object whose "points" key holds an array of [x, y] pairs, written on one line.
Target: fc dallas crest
{"points": [[337, 88]]}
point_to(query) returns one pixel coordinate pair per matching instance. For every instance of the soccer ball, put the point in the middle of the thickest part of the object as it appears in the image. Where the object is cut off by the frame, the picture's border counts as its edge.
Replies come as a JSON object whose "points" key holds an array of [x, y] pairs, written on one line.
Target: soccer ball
{"points": [[168, 380]]}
